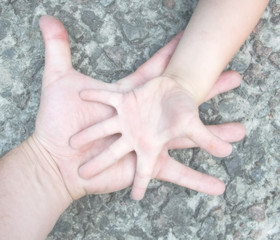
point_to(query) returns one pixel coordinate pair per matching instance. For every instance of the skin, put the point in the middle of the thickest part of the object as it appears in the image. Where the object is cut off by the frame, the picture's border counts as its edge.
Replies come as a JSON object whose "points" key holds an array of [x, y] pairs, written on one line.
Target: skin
{"points": [[166, 108], [148, 118], [39, 178]]}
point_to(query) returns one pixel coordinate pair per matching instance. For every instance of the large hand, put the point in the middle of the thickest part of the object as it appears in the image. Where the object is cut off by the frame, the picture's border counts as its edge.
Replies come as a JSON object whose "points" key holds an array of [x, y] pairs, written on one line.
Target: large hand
{"points": [[62, 114]]}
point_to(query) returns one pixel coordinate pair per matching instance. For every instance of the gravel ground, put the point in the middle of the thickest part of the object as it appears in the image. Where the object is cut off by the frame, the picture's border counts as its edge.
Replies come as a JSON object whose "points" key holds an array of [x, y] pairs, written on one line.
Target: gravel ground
{"points": [[110, 39]]}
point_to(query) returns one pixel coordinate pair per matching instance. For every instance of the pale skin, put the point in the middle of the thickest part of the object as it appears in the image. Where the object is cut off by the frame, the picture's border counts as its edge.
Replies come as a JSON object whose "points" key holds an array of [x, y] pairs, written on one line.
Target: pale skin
{"points": [[39, 178], [166, 108]]}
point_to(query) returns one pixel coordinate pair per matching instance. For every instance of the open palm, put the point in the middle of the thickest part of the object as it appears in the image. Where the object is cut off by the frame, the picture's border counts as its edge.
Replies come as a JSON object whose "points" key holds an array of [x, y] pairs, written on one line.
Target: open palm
{"points": [[62, 114], [148, 118]]}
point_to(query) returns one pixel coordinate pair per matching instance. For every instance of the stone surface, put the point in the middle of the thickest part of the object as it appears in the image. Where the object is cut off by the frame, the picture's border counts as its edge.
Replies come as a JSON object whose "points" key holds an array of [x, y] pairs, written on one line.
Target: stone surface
{"points": [[4, 25], [91, 20], [257, 212], [106, 3], [169, 3], [109, 40], [275, 59]]}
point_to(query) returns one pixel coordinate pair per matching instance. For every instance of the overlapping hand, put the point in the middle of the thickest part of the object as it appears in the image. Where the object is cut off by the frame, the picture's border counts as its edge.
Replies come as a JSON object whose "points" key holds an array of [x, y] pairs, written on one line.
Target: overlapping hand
{"points": [[63, 113]]}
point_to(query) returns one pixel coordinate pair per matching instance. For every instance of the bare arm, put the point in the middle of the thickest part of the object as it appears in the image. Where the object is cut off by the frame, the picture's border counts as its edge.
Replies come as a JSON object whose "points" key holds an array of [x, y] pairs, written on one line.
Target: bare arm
{"points": [[32, 193], [215, 32]]}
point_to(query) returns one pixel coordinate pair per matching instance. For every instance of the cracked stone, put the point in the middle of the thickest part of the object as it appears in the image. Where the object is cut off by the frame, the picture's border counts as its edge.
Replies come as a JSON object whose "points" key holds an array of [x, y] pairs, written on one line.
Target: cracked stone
{"points": [[274, 8], [257, 212], [4, 25], [138, 232], [9, 53], [257, 174], [169, 4], [226, 105], [235, 190], [62, 227], [275, 59], [275, 20], [261, 50], [106, 3], [254, 74], [76, 32], [133, 33], [255, 234], [180, 215], [116, 54], [91, 20], [237, 235], [160, 226], [233, 166], [206, 230], [218, 213], [205, 107], [259, 26]]}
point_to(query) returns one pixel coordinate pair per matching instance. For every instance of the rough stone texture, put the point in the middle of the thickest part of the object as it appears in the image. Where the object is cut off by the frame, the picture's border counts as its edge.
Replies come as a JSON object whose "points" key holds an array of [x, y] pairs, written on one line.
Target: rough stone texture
{"points": [[110, 39]]}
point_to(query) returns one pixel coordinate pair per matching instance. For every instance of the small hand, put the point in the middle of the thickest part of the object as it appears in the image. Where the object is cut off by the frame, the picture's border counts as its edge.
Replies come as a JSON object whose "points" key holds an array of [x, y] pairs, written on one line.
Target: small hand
{"points": [[148, 118], [121, 174]]}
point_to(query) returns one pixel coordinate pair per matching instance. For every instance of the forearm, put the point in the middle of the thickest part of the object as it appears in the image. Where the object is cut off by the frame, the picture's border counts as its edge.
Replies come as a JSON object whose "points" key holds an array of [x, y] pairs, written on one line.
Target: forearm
{"points": [[215, 32], [32, 194]]}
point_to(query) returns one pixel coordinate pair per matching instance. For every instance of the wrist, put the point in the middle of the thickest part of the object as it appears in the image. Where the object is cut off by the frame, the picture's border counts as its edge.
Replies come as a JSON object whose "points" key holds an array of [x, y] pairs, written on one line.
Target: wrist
{"points": [[186, 85], [39, 158]]}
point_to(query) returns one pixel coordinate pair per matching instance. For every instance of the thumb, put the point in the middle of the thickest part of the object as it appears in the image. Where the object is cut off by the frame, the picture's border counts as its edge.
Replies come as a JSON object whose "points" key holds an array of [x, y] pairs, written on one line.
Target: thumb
{"points": [[57, 48]]}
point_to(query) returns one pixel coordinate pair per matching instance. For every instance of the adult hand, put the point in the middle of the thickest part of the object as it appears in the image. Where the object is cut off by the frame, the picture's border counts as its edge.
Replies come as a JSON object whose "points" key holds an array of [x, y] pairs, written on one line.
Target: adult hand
{"points": [[62, 114]]}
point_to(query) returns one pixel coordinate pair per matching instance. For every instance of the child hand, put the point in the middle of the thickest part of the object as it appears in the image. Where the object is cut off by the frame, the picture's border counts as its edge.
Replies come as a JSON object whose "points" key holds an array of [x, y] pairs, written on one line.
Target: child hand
{"points": [[147, 118]]}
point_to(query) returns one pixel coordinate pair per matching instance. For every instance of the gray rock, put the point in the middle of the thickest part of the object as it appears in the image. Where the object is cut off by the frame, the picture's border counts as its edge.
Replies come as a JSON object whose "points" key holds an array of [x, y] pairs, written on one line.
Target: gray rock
{"points": [[138, 233], [181, 214], [226, 105], [257, 174], [4, 25], [275, 59], [106, 3], [116, 54], [233, 166], [62, 227], [275, 20], [254, 74], [91, 20], [257, 212], [259, 27], [168, 3], [133, 33], [260, 50], [207, 231], [76, 32], [235, 191], [104, 65], [237, 235], [9, 53], [274, 8]]}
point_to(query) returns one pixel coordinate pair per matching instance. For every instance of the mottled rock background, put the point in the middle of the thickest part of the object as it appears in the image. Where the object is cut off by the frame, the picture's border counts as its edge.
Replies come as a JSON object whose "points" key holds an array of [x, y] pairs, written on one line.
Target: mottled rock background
{"points": [[111, 38]]}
